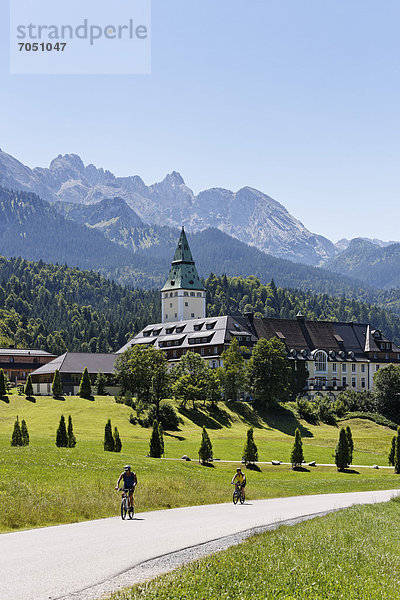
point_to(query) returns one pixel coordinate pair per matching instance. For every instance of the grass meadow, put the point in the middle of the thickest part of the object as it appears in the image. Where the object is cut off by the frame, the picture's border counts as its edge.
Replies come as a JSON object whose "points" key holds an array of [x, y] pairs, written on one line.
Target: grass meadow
{"points": [[44, 485], [352, 554]]}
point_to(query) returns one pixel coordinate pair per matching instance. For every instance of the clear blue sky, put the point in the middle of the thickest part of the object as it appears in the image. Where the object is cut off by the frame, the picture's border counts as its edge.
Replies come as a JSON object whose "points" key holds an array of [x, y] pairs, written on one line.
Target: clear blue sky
{"points": [[298, 98]]}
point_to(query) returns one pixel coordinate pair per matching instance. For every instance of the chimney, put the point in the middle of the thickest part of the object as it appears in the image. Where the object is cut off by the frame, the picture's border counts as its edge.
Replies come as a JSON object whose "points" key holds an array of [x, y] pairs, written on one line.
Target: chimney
{"points": [[300, 317], [250, 317]]}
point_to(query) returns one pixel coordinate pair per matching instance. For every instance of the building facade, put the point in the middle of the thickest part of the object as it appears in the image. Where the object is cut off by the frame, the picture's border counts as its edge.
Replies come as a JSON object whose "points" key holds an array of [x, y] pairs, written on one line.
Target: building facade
{"points": [[18, 363]]}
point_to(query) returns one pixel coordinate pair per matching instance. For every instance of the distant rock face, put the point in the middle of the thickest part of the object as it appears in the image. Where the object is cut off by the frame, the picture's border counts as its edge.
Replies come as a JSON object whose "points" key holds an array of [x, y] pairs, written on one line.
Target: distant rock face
{"points": [[248, 215]]}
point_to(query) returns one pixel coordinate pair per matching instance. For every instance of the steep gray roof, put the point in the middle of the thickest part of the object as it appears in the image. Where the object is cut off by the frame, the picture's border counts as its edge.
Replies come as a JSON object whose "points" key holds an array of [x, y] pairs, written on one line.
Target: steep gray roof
{"points": [[75, 362], [23, 352]]}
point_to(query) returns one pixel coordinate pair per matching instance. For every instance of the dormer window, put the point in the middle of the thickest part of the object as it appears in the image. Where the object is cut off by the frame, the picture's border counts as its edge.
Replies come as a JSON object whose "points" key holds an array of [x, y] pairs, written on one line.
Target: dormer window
{"points": [[198, 326], [210, 325]]}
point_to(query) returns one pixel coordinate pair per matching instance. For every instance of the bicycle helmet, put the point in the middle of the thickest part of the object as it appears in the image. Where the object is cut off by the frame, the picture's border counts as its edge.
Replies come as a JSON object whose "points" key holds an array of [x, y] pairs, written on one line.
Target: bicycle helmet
{"points": [[127, 467]]}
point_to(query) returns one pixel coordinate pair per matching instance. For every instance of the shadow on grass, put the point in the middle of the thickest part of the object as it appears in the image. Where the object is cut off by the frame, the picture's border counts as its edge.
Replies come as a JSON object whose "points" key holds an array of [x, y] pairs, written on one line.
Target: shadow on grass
{"points": [[31, 399], [252, 467], [177, 437], [281, 418], [207, 464], [220, 415], [248, 414], [5, 399], [350, 471], [60, 398], [301, 469], [198, 417]]}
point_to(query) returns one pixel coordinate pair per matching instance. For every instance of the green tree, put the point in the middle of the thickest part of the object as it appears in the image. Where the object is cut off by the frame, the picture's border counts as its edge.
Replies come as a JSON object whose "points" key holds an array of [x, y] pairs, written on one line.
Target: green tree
{"points": [[28, 387], [57, 387], [85, 386], [250, 452], [70, 434], [101, 381], [342, 451], [205, 450], [117, 441], [350, 442], [387, 391], [396, 461], [109, 443], [16, 438], [155, 442], [24, 433], [213, 386], [268, 372], [392, 452], [3, 390], [233, 372], [300, 375], [297, 456], [161, 436], [61, 434], [190, 379]]}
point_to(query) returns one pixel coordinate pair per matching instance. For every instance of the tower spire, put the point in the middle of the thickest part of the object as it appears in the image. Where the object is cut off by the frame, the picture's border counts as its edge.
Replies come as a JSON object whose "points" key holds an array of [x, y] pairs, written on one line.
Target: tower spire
{"points": [[183, 294]]}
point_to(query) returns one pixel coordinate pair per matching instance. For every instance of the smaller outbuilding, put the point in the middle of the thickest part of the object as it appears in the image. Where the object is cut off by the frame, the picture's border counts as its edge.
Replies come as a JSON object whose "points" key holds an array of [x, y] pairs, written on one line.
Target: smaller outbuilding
{"points": [[18, 363], [71, 365]]}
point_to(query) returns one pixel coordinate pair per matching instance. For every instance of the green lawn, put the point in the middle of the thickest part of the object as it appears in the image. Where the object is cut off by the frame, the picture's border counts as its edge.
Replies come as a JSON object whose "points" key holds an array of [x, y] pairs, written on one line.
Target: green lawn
{"points": [[42, 484], [348, 555]]}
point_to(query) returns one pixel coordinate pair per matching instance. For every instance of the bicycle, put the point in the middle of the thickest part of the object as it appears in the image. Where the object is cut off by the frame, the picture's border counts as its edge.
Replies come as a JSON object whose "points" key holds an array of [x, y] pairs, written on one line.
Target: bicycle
{"points": [[125, 508], [238, 493]]}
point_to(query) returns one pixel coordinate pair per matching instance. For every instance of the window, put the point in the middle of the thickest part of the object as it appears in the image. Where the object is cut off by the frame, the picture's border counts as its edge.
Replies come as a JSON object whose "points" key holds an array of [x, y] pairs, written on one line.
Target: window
{"points": [[186, 293], [387, 355], [344, 368], [171, 294], [166, 315], [191, 341], [169, 343], [202, 351], [176, 293], [377, 367], [215, 349], [353, 382], [192, 294], [192, 315], [199, 294], [375, 356], [344, 381], [320, 361], [176, 315], [170, 304], [354, 368], [363, 382], [362, 368], [198, 327], [334, 367], [186, 303], [174, 354]]}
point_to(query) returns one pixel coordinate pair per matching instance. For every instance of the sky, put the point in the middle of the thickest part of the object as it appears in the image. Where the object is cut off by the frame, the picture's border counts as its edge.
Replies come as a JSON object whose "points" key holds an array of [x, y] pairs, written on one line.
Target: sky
{"points": [[297, 98]]}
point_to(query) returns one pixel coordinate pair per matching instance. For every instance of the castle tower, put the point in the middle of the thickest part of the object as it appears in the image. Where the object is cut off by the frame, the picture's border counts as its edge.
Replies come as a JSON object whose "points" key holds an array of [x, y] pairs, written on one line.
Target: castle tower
{"points": [[183, 295]]}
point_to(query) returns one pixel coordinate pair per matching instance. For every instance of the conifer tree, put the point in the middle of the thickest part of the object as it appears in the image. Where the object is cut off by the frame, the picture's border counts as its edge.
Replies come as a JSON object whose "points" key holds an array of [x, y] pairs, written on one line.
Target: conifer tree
{"points": [[205, 450], [161, 436], [3, 389], [16, 438], [70, 434], [396, 461], [297, 456], [250, 452], [117, 441], [85, 386], [109, 444], [57, 387], [100, 383], [351, 443], [155, 442], [24, 433], [342, 451], [61, 435], [29, 387], [392, 451]]}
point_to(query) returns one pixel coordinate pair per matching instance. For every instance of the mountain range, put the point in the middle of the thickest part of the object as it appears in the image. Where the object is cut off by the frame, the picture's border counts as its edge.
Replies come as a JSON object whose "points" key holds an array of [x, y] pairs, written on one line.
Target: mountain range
{"points": [[85, 216]]}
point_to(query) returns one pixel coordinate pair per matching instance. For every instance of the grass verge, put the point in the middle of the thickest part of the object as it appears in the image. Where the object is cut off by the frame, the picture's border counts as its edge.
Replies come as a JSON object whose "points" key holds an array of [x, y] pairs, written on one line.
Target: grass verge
{"points": [[352, 555]]}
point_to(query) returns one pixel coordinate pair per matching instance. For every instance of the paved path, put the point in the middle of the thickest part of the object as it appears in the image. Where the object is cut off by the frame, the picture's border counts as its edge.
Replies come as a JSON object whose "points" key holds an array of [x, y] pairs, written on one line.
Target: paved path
{"points": [[57, 562]]}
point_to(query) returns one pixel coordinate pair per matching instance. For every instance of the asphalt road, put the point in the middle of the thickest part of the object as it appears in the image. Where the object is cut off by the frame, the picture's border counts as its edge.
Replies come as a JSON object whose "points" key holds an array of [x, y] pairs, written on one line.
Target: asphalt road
{"points": [[59, 562]]}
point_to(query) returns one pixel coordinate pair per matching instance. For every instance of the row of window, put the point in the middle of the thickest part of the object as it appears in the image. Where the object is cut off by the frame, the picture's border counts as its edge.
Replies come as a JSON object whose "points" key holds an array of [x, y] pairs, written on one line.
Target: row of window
{"points": [[320, 382], [192, 294], [202, 352]]}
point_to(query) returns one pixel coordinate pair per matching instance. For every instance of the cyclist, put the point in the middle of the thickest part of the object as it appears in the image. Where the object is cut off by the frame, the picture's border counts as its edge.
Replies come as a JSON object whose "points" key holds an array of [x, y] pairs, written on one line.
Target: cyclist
{"points": [[239, 479], [130, 482]]}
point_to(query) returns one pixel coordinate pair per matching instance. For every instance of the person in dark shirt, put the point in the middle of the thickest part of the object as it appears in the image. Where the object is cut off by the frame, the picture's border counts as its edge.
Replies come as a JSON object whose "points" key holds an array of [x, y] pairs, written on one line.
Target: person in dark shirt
{"points": [[130, 481]]}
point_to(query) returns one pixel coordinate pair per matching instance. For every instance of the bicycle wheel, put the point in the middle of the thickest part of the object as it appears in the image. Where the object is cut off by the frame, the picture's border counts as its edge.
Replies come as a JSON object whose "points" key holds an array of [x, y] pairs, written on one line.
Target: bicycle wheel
{"points": [[124, 508], [131, 511], [242, 498], [235, 497]]}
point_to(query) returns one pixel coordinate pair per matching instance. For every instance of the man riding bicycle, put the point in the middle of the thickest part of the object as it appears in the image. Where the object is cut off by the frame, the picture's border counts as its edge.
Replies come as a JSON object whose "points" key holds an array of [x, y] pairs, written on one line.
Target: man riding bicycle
{"points": [[239, 479], [130, 482]]}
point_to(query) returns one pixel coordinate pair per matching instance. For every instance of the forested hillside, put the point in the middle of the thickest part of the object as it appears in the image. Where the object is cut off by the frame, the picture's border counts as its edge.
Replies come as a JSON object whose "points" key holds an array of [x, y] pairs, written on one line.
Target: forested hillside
{"points": [[57, 308]]}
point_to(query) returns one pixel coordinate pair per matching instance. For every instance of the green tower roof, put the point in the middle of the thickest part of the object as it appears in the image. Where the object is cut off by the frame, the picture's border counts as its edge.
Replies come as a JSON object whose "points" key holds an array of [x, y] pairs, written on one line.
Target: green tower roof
{"points": [[183, 273]]}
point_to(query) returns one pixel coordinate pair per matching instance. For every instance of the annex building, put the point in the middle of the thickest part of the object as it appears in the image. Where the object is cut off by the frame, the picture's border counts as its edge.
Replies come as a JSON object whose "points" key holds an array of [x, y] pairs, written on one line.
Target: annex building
{"points": [[338, 355]]}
